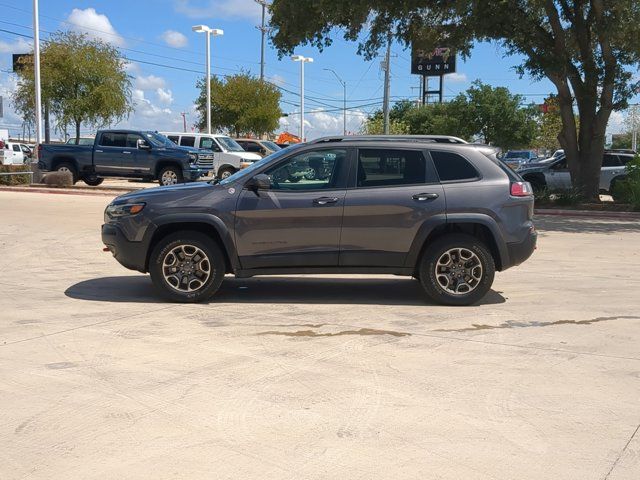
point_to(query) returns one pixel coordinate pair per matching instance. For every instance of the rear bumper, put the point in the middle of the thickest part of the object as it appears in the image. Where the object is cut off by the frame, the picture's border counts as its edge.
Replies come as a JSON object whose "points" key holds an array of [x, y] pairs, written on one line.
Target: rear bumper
{"points": [[132, 255], [519, 252]]}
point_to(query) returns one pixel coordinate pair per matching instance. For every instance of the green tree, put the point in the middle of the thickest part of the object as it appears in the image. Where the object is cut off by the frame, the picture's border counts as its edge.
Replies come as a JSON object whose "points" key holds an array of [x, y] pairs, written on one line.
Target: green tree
{"points": [[83, 81], [241, 104], [586, 48], [491, 115], [550, 125], [622, 140]]}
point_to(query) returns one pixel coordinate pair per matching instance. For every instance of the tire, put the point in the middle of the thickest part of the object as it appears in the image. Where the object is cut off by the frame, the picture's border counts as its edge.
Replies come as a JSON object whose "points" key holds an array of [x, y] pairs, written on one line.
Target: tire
{"points": [[167, 253], [225, 172], [170, 176], [68, 167], [538, 184], [93, 181], [454, 246], [613, 186]]}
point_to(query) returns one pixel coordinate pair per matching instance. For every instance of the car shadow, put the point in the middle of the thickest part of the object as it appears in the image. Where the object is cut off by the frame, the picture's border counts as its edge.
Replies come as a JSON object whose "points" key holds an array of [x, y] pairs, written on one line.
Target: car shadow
{"points": [[549, 223], [286, 290]]}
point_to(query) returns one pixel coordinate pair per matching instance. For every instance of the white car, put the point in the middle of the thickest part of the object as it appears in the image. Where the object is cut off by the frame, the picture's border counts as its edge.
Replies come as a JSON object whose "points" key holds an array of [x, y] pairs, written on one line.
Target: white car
{"points": [[228, 155], [14, 154]]}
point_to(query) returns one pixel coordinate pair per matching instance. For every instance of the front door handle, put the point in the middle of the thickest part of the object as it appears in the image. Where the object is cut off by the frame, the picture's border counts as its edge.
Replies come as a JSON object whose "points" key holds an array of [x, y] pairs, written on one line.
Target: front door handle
{"points": [[126, 152], [421, 197], [99, 151], [325, 200]]}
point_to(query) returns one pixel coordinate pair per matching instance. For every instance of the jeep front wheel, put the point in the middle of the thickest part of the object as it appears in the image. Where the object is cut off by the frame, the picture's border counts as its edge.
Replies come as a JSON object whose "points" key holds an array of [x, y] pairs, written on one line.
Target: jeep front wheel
{"points": [[187, 267], [457, 270]]}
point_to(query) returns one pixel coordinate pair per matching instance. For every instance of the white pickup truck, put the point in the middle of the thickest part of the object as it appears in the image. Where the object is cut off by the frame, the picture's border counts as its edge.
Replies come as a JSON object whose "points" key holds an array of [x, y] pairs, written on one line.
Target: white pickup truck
{"points": [[14, 153]]}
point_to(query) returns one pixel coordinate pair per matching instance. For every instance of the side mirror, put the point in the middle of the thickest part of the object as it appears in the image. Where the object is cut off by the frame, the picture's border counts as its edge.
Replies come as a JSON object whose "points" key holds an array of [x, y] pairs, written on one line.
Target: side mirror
{"points": [[143, 145], [259, 182]]}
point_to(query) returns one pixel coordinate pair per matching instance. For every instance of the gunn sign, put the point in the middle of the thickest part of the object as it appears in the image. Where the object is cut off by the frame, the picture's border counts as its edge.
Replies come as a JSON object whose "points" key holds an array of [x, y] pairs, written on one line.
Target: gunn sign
{"points": [[432, 63]]}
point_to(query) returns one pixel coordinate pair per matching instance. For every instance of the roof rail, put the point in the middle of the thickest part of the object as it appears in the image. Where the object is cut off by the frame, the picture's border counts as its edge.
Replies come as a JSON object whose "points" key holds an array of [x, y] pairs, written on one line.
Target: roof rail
{"points": [[390, 138]]}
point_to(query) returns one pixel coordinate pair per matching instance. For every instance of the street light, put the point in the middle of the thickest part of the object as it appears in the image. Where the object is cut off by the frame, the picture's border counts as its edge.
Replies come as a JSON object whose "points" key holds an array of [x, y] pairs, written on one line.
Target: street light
{"points": [[215, 32], [36, 71], [302, 60], [344, 101]]}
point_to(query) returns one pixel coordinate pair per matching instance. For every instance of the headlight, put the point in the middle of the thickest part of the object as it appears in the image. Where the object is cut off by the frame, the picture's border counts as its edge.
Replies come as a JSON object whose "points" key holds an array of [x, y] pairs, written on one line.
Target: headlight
{"points": [[116, 211], [193, 157]]}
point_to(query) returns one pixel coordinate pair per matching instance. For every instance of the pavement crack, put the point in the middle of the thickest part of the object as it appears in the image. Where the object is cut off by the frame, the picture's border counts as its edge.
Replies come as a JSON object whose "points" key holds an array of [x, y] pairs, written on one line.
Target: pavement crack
{"points": [[621, 453], [311, 333], [515, 324]]}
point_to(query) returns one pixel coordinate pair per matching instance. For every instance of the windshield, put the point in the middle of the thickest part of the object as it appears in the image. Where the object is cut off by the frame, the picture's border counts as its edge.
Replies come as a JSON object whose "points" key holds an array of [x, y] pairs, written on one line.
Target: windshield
{"points": [[158, 140], [248, 172], [271, 146], [230, 144]]}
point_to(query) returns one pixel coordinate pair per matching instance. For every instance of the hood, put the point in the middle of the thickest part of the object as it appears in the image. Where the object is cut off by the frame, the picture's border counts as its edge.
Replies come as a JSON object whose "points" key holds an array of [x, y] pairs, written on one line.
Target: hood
{"points": [[156, 192], [187, 149], [245, 155]]}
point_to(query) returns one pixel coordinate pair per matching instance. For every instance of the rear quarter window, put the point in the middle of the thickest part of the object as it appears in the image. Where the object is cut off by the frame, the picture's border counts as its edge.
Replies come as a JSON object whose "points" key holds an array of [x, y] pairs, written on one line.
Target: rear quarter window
{"points": [[452, 167]]}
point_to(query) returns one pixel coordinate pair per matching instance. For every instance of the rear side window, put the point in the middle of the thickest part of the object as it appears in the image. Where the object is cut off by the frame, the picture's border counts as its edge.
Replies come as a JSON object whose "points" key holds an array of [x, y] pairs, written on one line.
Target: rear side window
{"points": [[452, 167], [111, 139], [383, 168], [188, 141], [16, 148], [610, 160]]}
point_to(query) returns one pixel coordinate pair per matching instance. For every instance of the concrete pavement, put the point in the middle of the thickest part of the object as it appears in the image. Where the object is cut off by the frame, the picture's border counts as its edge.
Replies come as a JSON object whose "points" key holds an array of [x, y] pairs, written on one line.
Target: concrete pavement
{"points": [[314, 377]]}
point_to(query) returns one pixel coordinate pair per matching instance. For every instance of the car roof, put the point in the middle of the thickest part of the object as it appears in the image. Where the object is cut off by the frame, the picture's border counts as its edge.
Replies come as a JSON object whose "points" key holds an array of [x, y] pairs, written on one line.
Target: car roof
{"points": [[195, 134], [391, 138]]}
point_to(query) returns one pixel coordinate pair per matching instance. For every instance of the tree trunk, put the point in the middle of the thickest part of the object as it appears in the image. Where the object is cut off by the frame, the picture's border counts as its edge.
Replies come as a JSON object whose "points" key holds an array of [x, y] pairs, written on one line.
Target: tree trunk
{"points": [[78, 122]]}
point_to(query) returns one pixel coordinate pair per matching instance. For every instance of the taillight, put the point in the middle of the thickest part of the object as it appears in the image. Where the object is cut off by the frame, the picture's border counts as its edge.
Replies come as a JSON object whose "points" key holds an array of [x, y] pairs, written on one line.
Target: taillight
{"points": [[521, 189]]}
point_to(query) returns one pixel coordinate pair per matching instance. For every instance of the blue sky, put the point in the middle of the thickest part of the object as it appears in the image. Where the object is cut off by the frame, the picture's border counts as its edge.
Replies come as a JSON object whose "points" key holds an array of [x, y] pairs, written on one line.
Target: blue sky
{"points": [[159, 32]]}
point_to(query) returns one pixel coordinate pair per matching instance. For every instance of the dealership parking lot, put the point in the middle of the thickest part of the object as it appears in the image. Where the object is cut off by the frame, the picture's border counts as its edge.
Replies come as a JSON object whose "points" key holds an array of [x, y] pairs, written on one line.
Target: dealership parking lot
{"points": [[352, 377]]}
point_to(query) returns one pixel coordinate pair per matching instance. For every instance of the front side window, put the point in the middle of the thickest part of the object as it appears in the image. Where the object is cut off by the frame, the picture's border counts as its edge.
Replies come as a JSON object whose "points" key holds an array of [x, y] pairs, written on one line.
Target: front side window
{"points": [[314, 170], [382, 167], [452, 167], [132, 140]]}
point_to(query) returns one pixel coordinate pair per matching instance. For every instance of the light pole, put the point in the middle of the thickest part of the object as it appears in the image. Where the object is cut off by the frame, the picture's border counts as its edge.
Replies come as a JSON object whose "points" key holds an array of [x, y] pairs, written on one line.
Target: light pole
{"points": [[344, 99], [263, 29], [215, 32], [302, 60], [36, 71]]}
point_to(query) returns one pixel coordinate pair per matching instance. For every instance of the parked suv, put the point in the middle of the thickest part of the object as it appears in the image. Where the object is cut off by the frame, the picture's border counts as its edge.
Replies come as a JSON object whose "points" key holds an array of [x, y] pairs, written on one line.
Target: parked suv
{"points": [[449, 215], [258, 146]]}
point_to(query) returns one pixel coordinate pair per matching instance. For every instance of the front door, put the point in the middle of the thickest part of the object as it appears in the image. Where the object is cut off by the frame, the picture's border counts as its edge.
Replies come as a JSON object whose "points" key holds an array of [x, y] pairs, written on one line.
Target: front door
{"points": [[396, 191], [109, 153], [296, 223], [558, 176], [134, 160]]}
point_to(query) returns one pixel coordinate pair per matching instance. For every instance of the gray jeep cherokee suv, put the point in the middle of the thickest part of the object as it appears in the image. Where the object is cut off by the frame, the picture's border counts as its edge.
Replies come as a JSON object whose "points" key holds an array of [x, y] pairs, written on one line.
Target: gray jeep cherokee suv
{"points": [[449, 215]]}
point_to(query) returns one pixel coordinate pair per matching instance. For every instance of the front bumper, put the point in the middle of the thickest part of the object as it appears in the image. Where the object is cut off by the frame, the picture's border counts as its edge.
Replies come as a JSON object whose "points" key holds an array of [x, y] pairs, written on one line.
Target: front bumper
{"points": [[193, 173], [132, 255], [520, 251]]}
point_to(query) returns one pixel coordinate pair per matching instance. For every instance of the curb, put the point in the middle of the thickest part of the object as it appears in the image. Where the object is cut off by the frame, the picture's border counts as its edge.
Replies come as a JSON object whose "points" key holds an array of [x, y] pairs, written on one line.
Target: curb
{"points": [[61, 191], [588, 213]]}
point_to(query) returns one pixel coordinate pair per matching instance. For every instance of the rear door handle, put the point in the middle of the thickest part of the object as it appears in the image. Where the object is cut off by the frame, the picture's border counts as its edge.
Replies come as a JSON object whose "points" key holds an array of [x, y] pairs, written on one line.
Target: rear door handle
{"points": [[127, 152], [99, 151], [421, 197], [325, 200]]}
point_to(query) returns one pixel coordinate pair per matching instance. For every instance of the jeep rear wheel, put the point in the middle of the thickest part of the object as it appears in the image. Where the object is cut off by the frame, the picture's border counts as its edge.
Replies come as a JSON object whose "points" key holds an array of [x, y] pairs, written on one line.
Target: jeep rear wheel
{"points": [[187, 267], [457, 269]]}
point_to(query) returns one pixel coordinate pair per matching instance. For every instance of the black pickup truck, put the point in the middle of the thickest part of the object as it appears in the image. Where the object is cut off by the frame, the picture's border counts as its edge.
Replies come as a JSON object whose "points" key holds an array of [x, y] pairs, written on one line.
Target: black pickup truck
{"points": [[123, 153]]}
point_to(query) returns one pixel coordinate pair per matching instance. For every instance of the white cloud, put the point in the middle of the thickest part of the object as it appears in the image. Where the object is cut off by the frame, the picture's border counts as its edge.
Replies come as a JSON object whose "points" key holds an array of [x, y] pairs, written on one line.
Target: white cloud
{"points": [[616, 123], [226, 9], [277, 80], [175, 39], [20, 45], [150, 82], [95, 25], [456, 77], [320, 124], [164, 96]]}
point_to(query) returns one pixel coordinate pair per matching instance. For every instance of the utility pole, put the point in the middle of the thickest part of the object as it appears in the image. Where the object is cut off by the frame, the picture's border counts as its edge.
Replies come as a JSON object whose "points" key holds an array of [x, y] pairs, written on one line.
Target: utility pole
{"points": [[344, 100], [263, 29], [36, 71], [184, 121], [387, 86]]}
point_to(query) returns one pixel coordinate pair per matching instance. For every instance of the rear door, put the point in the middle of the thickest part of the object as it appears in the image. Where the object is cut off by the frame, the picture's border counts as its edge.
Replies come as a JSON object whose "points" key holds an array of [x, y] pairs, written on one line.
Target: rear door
{"points": [[558, 177], [393, 192], [109, 153]]}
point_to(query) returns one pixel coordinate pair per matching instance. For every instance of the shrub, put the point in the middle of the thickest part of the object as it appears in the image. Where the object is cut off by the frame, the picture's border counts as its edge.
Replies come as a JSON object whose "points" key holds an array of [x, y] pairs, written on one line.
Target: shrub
{"points": [[58, 179], [628, 189], [15, 179]]}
